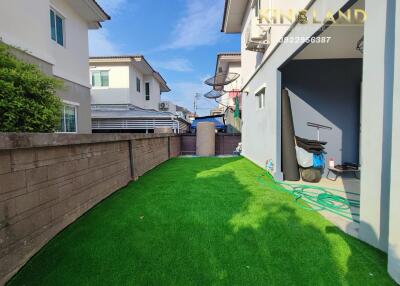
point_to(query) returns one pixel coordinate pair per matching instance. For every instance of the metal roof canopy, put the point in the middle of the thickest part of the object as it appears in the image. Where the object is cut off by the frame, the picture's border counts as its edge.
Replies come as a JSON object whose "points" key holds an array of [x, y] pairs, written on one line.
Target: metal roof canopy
{"points": [[218, 120], [122, 117]]}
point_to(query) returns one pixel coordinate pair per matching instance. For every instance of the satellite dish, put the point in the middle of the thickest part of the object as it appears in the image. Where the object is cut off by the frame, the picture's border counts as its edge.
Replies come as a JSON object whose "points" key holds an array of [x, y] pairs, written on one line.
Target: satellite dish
{"points": [[214, 94], [222, 79]]}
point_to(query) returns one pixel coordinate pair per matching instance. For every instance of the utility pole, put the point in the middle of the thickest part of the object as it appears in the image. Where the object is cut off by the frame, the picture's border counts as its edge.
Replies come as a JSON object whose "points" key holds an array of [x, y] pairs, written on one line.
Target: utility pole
{"points": [[196, 97]]}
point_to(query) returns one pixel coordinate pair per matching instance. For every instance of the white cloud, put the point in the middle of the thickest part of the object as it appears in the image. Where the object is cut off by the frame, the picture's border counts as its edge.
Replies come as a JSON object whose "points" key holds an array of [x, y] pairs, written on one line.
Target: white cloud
{"points": [[112, 6], [101, 45], [199, 26], [178, 64]]}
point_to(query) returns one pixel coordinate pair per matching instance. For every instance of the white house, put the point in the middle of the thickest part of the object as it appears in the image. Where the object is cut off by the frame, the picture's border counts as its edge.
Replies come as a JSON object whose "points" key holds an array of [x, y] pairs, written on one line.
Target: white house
{"points": [[229, 63], [338, 73], [126, 97], [126, 80], [54, 35]]}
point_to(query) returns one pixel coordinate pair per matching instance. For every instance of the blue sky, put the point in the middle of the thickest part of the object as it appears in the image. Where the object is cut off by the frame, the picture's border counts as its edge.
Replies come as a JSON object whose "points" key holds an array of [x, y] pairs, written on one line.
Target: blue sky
{"points": [[180, 39]]}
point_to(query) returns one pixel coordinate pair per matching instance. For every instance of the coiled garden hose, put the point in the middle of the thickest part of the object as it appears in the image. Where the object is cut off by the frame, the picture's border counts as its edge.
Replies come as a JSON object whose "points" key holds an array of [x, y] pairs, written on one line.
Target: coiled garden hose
{"points": [[314, 198]]}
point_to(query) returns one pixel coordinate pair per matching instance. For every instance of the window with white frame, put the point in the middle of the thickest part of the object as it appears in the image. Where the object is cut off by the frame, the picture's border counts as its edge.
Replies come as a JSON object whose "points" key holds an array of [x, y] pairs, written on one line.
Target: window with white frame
{"points": [[57, 25], [138, 83], [147, 90], [69, 121], [260, 98], [100, 78]]}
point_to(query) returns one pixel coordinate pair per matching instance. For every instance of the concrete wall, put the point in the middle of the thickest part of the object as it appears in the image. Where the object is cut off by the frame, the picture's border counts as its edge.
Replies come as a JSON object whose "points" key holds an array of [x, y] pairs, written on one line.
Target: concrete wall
{"points": [[377, 100], [327, 92], [394, 223], [47, 181]]}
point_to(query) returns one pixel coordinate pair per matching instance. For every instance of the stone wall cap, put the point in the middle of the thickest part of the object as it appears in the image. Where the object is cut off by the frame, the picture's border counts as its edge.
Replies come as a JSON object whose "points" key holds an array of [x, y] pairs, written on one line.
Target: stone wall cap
{"points": [[10, 141]]}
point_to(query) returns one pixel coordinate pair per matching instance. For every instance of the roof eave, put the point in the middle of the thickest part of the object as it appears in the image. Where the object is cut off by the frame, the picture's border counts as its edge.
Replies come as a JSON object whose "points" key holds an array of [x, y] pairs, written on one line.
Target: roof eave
{"points": [[229, 7], [220, 55], [100, 14]]}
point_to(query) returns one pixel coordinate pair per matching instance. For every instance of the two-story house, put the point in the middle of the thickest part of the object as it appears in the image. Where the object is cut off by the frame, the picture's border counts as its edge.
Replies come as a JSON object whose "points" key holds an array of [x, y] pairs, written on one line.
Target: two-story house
{"points": [[126, 96], [126, 80], [53, 34], [326, 70], [229, 63]]}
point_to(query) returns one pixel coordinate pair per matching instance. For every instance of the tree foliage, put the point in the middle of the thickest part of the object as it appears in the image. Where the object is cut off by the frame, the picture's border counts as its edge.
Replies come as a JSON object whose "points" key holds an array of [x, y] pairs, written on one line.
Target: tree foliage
{"points": [[28, 101]]}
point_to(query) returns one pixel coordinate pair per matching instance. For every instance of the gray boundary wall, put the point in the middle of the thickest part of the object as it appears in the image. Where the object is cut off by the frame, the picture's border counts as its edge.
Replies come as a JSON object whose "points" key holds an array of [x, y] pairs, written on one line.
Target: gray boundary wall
{"points": [[376, 122], [47, 181], [394, 224]]}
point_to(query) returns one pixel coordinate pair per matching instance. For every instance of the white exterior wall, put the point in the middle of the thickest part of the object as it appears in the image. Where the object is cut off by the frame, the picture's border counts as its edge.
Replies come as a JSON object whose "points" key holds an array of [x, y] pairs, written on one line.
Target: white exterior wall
{"points": [[252, 60], [33, 36], [122, 86], [136, 98], [71, 61], [18, 28], [118, 91], [376, 132], [155, 95], [394, 223]]}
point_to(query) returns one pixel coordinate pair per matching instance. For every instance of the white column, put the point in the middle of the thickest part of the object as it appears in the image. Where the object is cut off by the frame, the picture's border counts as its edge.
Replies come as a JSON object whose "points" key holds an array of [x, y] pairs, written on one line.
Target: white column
{"points": [[377, 122], [394, 220]]}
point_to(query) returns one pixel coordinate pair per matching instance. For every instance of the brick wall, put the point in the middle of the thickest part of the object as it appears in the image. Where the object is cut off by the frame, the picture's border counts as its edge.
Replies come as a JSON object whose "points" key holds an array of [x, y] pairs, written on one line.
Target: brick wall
{"points": [[47, 181], [175, 146], [225, 144]]}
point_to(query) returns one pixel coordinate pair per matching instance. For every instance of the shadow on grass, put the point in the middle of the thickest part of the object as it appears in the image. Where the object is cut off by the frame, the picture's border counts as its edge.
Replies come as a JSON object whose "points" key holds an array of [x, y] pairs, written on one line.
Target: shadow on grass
{"points": [[202, 221]]}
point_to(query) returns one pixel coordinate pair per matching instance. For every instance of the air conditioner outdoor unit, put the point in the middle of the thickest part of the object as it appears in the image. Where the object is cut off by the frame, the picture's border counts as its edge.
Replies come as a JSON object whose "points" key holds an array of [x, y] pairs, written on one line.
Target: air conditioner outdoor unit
{"points": [[164, 105], [258, 37]]}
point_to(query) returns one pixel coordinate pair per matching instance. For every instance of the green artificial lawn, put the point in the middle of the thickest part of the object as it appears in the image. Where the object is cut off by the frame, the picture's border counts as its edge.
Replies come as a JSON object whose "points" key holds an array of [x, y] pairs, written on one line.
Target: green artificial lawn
{"points": [[203, 221]]}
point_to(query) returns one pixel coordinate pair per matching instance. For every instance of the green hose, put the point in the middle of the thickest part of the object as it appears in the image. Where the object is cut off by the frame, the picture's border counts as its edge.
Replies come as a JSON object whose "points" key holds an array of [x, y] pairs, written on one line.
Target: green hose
{"points": [[314, 198]]}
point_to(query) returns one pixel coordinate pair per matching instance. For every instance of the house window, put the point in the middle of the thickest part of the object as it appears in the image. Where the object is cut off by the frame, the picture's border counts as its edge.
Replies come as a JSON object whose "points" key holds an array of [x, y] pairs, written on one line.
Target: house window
{"points": [[260, 96], [100, 79], [68, 119], [57, 27], [147, 90], [138, 84]]}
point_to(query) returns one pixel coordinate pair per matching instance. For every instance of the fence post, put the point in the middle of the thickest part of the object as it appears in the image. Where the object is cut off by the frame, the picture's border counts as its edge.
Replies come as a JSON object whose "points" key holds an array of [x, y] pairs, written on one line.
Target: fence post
{"points": [[131, 158], [169, 147]]}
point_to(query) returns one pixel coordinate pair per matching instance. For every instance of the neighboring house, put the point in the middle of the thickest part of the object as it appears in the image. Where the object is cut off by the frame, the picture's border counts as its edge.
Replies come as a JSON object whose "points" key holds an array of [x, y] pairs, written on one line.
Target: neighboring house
{"points": [[56, 40], [171, 107], [126, 80], [229, 63], [126, 97], [342, 78]]}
